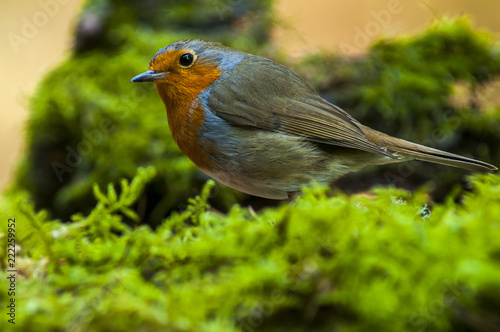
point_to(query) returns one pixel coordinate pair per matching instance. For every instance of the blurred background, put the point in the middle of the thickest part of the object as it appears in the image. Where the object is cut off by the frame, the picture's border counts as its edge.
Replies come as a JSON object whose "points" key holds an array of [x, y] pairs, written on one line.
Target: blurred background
{"points": [[39, 34], [323, 24], [24, 62]]}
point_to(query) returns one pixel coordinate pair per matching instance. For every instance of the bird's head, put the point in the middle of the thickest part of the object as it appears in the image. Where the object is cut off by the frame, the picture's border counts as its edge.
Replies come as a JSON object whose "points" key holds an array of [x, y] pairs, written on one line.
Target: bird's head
{"points": [[183, 69]]}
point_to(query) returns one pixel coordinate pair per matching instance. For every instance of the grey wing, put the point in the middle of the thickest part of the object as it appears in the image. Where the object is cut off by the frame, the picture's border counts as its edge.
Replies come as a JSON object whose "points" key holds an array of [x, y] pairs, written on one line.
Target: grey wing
{"points": [[266, 95]]}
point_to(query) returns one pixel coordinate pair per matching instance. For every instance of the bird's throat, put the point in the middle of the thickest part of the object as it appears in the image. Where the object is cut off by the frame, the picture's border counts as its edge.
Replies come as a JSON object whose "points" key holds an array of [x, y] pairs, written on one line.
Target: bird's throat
{"points": [[185, 122]]}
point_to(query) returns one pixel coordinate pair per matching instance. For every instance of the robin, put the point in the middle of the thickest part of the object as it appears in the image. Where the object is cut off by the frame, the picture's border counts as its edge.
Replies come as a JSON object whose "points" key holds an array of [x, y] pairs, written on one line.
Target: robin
{"points": [[258, 127]]}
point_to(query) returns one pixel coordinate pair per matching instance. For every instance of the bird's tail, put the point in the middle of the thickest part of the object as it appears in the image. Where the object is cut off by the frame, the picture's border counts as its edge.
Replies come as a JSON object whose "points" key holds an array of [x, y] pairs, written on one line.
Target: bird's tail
{"points": [[420, 152]]}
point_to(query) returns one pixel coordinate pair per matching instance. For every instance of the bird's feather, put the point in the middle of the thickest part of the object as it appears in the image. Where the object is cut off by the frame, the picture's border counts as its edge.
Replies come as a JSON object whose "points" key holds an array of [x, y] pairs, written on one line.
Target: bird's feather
{"points": [[289, 105], [425, 153]]}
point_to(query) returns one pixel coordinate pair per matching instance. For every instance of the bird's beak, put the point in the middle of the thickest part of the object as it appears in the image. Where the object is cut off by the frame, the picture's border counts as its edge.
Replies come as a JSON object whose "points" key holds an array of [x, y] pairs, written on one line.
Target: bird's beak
{"points": [[148, 76]]}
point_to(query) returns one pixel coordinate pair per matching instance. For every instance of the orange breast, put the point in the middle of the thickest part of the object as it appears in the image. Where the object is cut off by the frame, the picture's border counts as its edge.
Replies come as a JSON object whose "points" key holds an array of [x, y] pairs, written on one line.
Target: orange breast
{"points": [[185, 126]]}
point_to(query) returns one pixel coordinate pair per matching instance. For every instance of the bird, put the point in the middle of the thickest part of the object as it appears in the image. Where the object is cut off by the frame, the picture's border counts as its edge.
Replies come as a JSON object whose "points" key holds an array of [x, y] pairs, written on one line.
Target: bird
{"points": [[258, 127]]}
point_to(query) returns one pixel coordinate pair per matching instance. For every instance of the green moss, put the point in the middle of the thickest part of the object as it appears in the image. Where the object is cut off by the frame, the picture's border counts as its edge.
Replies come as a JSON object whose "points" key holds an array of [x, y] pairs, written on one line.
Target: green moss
{"points": [[348, 263]]}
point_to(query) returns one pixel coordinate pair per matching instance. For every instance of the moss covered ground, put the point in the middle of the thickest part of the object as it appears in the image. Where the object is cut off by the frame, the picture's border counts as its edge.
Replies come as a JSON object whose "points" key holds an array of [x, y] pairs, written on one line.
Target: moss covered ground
{"points": [[348, 263], [118, 231]]}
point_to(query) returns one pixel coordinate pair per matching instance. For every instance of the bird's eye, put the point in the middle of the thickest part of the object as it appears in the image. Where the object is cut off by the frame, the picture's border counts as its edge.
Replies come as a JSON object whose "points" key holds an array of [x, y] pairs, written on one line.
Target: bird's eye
{"points": [[186, 60]]}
